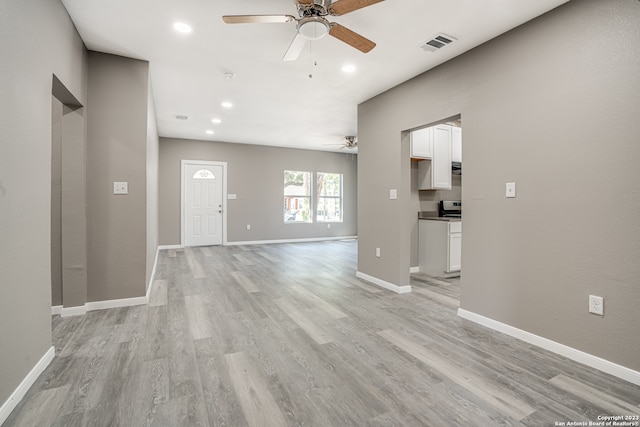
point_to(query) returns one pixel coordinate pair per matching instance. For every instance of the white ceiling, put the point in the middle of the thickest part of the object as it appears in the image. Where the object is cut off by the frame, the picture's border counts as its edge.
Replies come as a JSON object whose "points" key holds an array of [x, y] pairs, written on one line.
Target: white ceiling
{"points": [[274, 102]]}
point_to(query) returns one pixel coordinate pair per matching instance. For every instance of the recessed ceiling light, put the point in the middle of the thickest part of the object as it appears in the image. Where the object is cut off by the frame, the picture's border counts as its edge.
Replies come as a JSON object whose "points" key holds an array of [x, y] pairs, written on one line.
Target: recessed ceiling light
{"points": [[216, 121], [182, 27], [349, 68], [209, 132], [227, 104]]}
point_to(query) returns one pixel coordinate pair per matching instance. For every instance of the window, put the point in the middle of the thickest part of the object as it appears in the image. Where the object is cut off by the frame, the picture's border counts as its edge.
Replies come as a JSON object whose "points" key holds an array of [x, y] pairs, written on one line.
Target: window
{"points": [[329, 191], [297, 196], [203, 174]]}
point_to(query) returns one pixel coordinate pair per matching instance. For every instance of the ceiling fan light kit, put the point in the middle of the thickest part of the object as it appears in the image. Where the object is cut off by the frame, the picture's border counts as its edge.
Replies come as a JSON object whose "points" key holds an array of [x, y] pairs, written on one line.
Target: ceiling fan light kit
{"points": [[313, 28], [312, 24]]}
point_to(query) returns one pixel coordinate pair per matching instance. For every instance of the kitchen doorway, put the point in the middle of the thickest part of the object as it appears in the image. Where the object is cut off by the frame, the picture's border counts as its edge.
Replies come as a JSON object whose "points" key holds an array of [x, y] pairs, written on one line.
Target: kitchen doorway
{"points": [[68, 201], [425, 199]]}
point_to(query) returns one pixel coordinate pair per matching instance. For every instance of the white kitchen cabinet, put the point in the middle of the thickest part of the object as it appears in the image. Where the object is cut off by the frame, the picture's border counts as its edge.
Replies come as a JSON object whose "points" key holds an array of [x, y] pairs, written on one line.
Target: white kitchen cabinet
{"points": [[435, 174], [454, 252], [456, 144], [422, 143], [440, 247]]}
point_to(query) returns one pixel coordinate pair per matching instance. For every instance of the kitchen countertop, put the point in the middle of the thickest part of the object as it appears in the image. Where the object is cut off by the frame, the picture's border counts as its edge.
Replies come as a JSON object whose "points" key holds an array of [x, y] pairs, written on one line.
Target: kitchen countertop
{"points": [[439, 218], [433, 216]]}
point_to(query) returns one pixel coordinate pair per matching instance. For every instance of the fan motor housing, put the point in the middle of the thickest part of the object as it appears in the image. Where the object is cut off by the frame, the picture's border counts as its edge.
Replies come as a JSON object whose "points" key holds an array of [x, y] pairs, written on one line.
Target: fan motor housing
{"points": [[317, 8]]}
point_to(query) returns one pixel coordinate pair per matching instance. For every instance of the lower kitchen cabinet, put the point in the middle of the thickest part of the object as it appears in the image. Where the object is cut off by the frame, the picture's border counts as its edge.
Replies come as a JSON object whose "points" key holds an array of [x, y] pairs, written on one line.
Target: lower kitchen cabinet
{"points": [[454, 259], [440, 247]]}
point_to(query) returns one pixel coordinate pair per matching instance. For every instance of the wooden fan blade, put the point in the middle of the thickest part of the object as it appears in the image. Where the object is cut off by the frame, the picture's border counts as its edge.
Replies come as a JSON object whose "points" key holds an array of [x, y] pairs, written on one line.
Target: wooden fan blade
{"points": [[342, 7], [351, 38], [297, 44], [305, 1], [258, 19]]}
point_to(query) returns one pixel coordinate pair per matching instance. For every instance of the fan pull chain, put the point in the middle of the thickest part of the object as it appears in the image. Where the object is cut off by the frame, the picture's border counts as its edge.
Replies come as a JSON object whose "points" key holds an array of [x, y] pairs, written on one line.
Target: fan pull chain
{"points": [[315, 63]]}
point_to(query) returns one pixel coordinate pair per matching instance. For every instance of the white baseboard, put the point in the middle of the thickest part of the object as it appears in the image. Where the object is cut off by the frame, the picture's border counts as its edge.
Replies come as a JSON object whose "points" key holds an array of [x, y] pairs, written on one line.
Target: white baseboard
{"points": [[414, 270], [164, 247], [73, 311], [115, 303], [9, 405], [383, 284], [590, 360], [102, 305], [311, 239]]}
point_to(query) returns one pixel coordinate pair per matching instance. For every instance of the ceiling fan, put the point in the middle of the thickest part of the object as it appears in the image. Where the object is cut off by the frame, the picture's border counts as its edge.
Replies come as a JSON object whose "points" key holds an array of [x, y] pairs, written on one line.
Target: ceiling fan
{"points": [[313, 25], [350, 143]]}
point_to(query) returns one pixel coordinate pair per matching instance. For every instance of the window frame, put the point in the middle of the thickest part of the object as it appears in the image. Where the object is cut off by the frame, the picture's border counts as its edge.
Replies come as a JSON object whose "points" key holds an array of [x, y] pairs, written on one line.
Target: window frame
{"points": [[319, 196], [286, 207]]}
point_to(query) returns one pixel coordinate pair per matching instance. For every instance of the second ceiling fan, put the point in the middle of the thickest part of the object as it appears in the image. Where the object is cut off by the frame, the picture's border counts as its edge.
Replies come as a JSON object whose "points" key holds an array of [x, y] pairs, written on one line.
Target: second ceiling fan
{"points": [[313, 25]]}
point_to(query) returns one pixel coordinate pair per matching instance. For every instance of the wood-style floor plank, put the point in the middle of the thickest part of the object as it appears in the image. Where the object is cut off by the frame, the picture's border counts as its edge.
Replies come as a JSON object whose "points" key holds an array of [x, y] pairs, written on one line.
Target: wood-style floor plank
{"points": [[258, 405], [245, 282], [159, 295], [302, 318], [286, 335], [609, 403], [486, 390]]}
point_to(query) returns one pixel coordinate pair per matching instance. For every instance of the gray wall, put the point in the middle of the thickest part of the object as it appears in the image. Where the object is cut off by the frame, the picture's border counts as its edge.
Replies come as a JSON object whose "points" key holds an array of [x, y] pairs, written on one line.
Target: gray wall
{"points": [[117, 151], [37, 40], [552, 105], [255, 175]]}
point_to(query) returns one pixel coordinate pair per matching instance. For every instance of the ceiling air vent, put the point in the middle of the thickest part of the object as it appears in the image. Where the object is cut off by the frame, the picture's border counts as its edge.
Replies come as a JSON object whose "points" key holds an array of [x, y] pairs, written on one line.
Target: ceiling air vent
{"points": [[181, 117], [437, 42]]}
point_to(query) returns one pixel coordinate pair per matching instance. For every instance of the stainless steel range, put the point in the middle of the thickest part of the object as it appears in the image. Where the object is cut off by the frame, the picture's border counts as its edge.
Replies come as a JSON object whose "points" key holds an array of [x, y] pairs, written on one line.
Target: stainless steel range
{"points": [[450, 208]]}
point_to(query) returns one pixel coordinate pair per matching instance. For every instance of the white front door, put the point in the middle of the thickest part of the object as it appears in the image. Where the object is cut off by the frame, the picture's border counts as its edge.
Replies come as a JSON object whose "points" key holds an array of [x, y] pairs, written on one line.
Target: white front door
{"points": [[202, 186]]}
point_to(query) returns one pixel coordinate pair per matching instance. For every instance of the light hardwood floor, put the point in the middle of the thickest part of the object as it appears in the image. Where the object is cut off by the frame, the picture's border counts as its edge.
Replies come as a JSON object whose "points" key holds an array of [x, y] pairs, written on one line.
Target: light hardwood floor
{"points": [[284, 334]]}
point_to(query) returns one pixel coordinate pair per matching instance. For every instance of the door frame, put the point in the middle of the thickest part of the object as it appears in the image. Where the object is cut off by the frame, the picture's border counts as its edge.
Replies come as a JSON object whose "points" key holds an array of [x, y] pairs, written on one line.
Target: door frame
{"points": [[183, 222]]}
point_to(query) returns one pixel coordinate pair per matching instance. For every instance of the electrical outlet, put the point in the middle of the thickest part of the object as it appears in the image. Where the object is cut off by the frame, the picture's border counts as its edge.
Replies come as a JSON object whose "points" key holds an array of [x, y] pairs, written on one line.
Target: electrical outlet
{"points": [[378, 252], [248, 226], [596, 305], [328, 225]]}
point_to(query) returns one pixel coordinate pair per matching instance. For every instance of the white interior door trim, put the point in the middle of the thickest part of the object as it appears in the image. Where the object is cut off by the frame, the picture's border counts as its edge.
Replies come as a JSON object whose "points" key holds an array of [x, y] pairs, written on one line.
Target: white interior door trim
{"points": [[183, 222]]}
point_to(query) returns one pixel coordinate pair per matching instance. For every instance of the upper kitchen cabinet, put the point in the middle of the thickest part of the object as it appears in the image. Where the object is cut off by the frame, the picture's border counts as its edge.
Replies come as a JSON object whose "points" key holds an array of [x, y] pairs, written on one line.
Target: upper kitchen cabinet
{"points": [[422, 143], [435, 174], [456, 144]]}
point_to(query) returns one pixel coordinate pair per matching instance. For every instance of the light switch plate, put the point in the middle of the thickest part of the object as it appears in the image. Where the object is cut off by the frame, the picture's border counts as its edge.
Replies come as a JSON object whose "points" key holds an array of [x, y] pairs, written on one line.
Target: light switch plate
{"points": [[120, 188], [232, 196], [393, 194], [511, 190]]}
